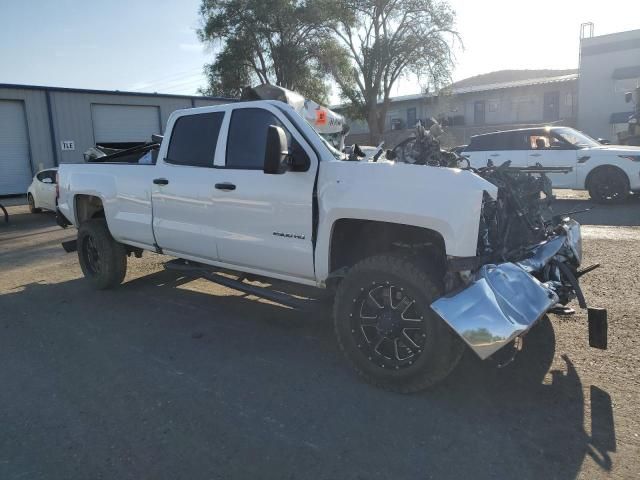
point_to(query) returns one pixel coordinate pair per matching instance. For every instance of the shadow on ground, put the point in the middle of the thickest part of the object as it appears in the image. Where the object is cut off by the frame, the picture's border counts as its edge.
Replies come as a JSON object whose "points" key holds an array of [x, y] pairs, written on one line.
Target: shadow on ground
{"points": [[618, 214], [157, 380], [20, 218]]}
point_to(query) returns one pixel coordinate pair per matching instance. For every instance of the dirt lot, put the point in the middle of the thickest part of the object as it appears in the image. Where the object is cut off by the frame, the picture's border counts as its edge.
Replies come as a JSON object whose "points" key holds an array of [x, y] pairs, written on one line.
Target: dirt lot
{"points": [[166, 378]]}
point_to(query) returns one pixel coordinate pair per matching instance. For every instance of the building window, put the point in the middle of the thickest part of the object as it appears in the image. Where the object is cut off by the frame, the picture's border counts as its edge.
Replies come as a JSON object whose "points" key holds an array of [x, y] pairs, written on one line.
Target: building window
{"points": [[493, 105], [396, 124], [568, 100], [411, 117], [626, 85]]}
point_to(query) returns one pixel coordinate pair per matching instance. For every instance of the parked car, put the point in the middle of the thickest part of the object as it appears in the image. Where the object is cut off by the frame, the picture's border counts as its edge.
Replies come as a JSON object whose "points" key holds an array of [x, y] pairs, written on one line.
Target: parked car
{"points": [[421, 260], [608, 172], [42, 191]]}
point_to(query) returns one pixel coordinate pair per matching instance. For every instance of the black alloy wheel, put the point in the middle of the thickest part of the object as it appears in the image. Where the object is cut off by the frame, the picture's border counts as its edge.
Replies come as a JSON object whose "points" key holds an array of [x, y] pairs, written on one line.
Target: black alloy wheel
{"points": [[91, 255], [609, 185], [388, 326]]}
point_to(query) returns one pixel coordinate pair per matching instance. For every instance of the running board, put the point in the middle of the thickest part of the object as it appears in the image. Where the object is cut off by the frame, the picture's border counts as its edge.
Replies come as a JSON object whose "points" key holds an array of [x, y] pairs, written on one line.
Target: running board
{"points": [[199, 270]]}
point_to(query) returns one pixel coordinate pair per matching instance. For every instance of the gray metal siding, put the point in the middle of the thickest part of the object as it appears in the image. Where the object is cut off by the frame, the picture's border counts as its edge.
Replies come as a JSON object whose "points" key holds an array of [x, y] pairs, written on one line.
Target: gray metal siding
{"points": [[205, 102], [15, 168], [124, 123], [71, 116], [35, 107]]}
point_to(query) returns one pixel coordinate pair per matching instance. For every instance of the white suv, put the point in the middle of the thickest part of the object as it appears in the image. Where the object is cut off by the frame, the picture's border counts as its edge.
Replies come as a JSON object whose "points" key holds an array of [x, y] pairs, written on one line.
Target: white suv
{"points": [[608, 172]]}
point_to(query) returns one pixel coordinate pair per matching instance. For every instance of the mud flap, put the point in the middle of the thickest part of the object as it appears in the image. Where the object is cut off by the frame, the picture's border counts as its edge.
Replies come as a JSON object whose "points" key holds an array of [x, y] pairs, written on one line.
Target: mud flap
{"points": [[70, 246], [598, 327], [502, 303]]}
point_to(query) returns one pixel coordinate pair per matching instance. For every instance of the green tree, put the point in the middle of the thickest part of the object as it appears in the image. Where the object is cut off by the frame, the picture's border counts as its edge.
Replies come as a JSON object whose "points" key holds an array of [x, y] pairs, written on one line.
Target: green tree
{"points": [[383, 41], [267, 41]]}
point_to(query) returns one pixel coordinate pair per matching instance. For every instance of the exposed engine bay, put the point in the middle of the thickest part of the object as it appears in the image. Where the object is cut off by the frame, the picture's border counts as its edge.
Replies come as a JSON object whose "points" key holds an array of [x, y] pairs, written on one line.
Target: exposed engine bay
{"points": [[527, 260]]}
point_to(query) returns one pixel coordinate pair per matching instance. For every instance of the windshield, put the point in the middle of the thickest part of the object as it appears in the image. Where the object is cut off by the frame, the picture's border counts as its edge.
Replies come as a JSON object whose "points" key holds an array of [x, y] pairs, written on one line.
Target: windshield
{"points": [[336, 154], [575, 138], [331, 148]]}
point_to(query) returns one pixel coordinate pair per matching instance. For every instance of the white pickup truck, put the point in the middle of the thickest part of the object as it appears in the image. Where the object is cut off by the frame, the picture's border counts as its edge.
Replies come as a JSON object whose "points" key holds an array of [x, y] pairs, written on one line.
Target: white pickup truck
{"points": [[417, 256], [608, 172]]}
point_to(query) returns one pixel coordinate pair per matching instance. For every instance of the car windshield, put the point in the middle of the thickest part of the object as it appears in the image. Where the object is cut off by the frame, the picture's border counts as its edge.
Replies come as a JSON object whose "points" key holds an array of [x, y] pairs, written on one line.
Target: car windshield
{"points": [[575, 138], [337, 154]]}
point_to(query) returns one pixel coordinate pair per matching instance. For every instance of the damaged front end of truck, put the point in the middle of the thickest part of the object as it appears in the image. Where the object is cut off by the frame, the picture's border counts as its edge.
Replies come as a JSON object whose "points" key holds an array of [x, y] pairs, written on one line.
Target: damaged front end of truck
{"points": [[527, 264]]}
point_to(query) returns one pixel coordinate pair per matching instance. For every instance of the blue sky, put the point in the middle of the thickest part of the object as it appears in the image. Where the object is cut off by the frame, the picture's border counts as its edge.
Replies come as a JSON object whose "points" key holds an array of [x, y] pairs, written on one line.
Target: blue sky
{"points": [[151, 45]]}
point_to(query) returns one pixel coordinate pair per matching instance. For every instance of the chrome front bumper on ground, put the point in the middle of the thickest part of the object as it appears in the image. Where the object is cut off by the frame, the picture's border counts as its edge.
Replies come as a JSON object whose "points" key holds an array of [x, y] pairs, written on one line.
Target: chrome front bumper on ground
{"points": [[504, 301]]}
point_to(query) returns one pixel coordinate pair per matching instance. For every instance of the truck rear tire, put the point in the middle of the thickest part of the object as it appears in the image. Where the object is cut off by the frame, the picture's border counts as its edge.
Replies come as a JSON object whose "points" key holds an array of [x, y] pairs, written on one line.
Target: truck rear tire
{"points": [[102, 259], [386, 328]]}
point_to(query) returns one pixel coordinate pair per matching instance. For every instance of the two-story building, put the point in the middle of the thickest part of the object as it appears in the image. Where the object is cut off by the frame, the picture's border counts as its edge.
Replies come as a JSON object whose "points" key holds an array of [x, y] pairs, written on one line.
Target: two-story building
{"points": [[494, 101]]}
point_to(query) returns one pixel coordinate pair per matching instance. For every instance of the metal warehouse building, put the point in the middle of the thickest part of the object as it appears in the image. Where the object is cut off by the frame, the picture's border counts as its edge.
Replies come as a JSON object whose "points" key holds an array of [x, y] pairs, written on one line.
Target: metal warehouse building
{"points": [[41, 127]]}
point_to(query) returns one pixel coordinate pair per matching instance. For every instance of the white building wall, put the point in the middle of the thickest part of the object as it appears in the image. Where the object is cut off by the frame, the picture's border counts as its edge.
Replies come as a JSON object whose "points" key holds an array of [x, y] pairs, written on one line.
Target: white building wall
{"points": [[600, 94]]}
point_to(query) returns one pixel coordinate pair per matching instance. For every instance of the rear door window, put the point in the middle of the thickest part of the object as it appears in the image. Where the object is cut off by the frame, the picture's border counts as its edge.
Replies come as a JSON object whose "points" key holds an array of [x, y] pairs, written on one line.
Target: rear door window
{"points": [[194, 138]]}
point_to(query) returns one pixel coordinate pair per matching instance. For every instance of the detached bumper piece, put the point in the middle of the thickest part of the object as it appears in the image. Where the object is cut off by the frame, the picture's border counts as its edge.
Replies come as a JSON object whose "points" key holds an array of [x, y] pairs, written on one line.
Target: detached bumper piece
{"points": [[504, 301], [501, 304], [598, 328]]}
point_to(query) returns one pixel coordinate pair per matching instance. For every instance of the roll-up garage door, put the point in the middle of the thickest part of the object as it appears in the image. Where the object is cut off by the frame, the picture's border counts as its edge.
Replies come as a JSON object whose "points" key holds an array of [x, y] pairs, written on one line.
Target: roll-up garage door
{"points": [[15, 165], [124, 123]]}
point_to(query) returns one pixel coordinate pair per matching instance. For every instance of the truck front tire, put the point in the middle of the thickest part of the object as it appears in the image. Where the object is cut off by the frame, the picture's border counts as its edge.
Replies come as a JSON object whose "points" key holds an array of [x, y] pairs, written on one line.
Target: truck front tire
{"points": [[102, 259], [386, 328]]}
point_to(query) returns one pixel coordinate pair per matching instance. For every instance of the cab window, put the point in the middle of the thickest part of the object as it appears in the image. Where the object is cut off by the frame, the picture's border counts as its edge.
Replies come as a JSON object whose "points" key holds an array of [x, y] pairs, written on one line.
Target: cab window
{"points": [[247, 138], [194, 138]]}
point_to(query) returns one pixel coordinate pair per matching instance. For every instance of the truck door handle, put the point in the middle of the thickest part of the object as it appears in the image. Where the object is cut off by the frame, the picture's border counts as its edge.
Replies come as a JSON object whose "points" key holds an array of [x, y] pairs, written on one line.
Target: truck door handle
{"points": [[494, 155], [535, 155], [161, 181], [225, 186]]}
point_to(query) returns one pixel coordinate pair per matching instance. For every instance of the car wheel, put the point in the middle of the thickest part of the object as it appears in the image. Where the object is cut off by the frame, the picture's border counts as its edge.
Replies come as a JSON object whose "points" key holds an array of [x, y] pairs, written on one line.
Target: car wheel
{"points": [[608, 184], [32, 204], [102, 259], [386, 328]]}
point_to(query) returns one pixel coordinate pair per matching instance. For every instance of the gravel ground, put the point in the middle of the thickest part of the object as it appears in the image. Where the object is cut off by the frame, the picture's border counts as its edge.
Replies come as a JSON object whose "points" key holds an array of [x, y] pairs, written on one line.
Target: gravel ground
{"points": [[170, 378]]}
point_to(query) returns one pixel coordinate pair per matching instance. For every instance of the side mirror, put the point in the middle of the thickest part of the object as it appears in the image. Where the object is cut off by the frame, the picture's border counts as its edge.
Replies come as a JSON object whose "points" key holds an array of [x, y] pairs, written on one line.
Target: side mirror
{"points": [[628, 97], [275, 154]]}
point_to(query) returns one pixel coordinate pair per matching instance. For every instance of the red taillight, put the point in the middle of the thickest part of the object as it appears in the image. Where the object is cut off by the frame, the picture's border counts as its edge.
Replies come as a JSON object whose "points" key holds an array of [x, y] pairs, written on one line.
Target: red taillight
{"points": [[57, 187]]}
